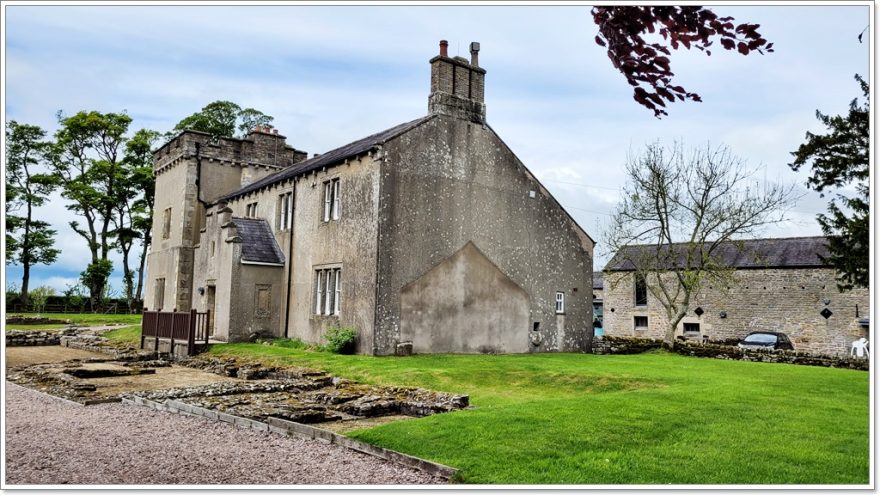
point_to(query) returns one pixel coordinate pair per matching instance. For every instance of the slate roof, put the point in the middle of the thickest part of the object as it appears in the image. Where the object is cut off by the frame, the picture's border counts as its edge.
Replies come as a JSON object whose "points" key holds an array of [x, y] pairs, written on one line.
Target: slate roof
{"points": [[258, 244], [598, 280], [791, 252], [332, 157]]}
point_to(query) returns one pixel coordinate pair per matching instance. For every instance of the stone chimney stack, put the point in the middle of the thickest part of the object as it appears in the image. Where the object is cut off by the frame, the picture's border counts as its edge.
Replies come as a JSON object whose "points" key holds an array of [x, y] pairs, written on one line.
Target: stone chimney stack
{"points": [[457, 85]]}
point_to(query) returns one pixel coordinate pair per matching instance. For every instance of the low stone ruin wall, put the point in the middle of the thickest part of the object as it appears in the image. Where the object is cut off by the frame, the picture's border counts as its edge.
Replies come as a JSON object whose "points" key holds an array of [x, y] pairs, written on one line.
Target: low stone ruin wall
{"points": [[20, 338], [33, 320], [625, 345]]}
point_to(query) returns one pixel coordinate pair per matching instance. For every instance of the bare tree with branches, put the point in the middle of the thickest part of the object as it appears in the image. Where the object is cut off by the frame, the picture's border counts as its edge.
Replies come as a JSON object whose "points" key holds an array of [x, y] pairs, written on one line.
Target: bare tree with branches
{"points": [[678, 212]]}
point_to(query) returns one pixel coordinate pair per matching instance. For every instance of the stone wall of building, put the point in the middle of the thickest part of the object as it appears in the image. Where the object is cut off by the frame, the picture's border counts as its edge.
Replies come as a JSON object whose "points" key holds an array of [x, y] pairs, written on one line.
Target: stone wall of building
{"points": [[788, 300], [449, 182], [348, 243], [192, 170]]}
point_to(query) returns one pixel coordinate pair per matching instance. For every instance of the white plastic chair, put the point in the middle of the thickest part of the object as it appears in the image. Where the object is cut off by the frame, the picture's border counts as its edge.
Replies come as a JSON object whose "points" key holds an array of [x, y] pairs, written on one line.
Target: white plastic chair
{"points": [[860, 348]]}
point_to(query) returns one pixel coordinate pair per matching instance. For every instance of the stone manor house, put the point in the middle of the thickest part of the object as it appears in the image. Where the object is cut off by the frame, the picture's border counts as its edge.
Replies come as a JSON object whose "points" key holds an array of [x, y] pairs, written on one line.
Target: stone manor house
{"points": [[431, 232], [781, 285]]}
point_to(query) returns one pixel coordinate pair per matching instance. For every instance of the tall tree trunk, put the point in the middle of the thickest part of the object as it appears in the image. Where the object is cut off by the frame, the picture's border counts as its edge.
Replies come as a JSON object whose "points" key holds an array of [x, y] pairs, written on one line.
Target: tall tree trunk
{"points": [[140, 280], [25, 256], [127, 276], [669, 337], [145, 246], [25, 280]]}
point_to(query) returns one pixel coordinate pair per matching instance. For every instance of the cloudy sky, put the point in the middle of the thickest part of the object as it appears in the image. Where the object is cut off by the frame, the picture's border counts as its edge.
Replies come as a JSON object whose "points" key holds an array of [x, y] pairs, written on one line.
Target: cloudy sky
{"points": [[333, 74]]}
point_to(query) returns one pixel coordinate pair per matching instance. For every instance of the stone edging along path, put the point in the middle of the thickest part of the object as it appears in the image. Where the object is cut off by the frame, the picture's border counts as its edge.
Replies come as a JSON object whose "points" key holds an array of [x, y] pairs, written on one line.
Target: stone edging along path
{"points": [[291, 428]]}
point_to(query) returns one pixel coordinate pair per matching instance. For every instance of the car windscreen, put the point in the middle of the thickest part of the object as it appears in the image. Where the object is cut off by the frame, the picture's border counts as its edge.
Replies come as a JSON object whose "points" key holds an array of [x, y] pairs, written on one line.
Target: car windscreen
{"points": [[760, 338]]}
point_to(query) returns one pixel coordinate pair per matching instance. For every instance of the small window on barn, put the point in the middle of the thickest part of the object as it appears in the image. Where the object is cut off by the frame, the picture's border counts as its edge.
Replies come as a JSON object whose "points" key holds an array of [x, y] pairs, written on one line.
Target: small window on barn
{"points": [[166, 224], [640, 322], [560, 303], [641, 290], [692, 329]]}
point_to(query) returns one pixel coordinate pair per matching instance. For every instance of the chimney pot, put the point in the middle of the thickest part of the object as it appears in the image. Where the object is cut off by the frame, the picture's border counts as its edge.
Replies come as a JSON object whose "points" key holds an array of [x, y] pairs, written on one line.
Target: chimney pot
{"points": [[443, 46], [274, 131], [475, 51]]}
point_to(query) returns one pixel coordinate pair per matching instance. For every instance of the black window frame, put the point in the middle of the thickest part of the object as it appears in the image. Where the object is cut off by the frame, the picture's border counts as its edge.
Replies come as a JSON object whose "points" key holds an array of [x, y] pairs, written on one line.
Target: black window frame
{"points": [[685, 329], [640, 285]]}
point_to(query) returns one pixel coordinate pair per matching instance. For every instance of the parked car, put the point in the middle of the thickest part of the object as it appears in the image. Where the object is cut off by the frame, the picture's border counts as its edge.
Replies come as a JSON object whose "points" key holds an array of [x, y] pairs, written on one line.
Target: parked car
{"points": [[766, 340]]}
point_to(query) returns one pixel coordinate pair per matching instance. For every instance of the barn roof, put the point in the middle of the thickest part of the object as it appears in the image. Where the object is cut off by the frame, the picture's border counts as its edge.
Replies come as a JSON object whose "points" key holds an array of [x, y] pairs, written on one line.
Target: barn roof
{"points": [[332, 157], [791, 252], [258, 244], [598, 280]]}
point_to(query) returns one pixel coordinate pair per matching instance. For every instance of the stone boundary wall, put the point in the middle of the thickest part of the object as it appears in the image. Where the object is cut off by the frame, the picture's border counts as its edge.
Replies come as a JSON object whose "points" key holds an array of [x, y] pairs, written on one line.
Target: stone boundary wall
{"points": [[625, 345], [293, 429], [21, 338]]}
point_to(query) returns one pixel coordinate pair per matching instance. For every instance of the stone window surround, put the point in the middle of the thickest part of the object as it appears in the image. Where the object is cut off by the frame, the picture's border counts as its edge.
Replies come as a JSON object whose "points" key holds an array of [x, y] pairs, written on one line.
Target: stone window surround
{"points": [[640, 319], [327, 303], [251, 210], [284, 216], [692, 328], [331, 199], [640, 284]]}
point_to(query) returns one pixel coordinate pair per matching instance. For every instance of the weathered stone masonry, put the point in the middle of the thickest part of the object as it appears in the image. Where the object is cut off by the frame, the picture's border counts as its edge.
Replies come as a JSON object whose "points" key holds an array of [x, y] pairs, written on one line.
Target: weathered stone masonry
{"points": [[780, 299], [445, 241]]}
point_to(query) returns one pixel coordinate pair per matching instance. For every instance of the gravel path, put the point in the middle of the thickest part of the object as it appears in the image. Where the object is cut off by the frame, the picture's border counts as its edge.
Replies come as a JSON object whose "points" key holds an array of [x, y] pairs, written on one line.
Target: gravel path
{"points": [[51, 441]]}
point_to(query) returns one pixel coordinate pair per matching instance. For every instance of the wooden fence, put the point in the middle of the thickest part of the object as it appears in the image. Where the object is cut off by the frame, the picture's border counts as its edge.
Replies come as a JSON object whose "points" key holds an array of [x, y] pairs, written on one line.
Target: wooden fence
{"points": [[177, 326]]}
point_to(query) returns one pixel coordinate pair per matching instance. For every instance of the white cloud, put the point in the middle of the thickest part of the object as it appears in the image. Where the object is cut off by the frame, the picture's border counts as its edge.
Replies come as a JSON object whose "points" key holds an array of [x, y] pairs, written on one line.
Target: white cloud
{"points": [[333, 74]]}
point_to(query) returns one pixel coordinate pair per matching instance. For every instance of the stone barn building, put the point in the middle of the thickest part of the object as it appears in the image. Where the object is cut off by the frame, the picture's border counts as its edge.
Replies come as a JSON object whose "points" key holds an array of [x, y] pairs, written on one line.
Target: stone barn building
{"points": [[431, 232], [781, 286]]}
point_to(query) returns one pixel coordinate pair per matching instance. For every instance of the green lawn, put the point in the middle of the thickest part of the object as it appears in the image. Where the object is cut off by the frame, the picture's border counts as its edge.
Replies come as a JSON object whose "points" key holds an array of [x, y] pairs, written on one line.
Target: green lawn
{"points": [[127, 335], [79, 319], [653, 418]]}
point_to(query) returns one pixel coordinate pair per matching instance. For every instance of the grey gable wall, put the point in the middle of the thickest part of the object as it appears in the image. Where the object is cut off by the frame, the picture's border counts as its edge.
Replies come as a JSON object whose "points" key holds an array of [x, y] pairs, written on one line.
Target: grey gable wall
{"points": [[450, 181]]}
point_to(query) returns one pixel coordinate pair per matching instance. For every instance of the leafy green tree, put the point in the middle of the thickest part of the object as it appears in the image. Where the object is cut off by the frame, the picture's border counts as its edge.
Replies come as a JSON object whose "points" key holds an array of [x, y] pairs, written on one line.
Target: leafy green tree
{"points": [[74, 297], [40, 296], [134, 208], [222, 119], [29, 241], [95, 275], [676, 211], [86, 157], [839, 159]]}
